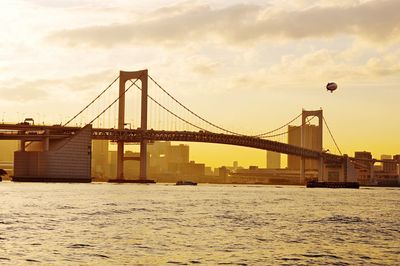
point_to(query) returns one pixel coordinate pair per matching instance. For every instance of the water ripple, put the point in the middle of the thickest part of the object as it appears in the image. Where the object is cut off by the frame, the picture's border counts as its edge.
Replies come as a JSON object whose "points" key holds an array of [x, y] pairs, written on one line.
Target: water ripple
{"points": [[80, 246], [80, 224], [342, 219]]}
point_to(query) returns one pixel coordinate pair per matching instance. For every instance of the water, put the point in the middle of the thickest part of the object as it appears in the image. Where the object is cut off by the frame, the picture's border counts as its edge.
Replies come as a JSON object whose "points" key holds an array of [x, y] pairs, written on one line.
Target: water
{"points": [[112, 224]]}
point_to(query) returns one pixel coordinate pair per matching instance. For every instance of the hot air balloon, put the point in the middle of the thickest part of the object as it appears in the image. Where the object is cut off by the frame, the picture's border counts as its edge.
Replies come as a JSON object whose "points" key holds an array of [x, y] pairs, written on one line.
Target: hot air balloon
{"points": [[331, 86]]}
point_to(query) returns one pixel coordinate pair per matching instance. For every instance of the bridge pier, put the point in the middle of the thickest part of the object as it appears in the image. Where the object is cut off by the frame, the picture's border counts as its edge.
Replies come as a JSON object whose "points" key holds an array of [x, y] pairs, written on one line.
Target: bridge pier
{"points": [[310, 138], [321, 169], [302, 170], [46, 141], [120, 160], [143, 161], [22, 145]]}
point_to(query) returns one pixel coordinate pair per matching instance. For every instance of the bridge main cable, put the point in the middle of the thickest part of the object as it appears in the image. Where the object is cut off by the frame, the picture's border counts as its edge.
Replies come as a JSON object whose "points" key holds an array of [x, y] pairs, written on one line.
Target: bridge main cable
{"points": [[166, 109], [108, 107], [193, 113], [272, 131], [330, 133], [216, 126], [119, 96], [286, 132], [87, 106]]}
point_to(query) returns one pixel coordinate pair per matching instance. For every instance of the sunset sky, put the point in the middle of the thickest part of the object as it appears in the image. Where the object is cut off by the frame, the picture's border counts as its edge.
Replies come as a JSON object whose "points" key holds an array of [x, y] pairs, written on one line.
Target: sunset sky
{"points": [[249, 66]]}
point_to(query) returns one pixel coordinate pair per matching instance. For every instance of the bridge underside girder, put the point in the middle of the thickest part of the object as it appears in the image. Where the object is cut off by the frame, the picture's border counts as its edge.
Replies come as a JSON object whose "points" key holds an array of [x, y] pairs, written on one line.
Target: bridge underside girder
{"points": [[208, 137], [138, 135]]}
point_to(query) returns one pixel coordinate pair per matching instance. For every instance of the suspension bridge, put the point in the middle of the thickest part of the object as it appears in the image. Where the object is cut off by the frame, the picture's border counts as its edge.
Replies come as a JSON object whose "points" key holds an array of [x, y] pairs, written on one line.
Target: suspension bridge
{"points": [[161, 116]]}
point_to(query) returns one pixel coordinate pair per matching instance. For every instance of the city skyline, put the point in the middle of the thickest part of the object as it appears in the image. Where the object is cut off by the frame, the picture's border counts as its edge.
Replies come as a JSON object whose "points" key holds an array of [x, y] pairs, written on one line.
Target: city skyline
{"points": [[240, 132], [255, 75]]}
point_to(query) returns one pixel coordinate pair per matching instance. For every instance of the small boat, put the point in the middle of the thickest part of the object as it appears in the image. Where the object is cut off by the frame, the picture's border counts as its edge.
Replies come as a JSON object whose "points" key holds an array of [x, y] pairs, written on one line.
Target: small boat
{"points": [[185, 183]]}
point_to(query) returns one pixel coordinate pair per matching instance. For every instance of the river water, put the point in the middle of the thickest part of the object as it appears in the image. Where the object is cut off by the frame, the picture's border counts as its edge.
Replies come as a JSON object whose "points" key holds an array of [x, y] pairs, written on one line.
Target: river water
{"points": [[131, 224]]}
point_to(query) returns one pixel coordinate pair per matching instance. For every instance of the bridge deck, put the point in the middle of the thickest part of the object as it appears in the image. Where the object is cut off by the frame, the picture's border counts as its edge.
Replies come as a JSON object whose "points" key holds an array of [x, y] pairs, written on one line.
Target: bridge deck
{"points": [[38, 132]]}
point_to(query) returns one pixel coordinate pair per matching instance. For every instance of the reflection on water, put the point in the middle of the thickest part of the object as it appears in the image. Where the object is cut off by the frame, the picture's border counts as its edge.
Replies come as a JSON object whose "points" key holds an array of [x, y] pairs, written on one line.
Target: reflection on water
{"points": [[207, 224]]}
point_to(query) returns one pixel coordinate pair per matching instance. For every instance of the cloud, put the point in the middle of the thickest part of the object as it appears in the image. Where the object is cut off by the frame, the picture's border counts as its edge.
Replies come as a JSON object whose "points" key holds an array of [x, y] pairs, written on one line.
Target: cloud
{"points": [[31, 90], [323, 66], [204, 66], [22, 93], [242, 24], [64, 3]]}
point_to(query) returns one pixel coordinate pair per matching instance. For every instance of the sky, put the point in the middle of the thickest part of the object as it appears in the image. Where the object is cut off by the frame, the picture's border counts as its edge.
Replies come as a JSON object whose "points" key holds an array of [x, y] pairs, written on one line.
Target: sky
{"points": [[249, 66]]}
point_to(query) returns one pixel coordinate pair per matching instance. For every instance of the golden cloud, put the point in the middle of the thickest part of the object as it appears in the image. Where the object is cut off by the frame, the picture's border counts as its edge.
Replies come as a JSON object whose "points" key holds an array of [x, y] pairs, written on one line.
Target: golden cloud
{"points": [[322, 66], [242, 24], [30, 90]]}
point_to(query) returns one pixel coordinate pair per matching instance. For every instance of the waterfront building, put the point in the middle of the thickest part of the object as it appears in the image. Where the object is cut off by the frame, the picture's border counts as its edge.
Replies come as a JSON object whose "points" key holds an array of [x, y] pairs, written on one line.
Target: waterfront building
{"points": [[235, 165], [100, 162], [163, 159], [167, 158], [386, 179], [193, 169], [364, 167], [55, 160], [7, 149], [112, 165], [389, 165], [273, 160], [132, 164], [256, 175], [396, 158], [222, 171], [208, 171]]}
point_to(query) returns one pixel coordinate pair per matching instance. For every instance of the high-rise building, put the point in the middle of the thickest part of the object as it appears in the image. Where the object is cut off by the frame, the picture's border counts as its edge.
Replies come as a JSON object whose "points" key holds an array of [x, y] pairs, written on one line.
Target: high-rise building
{"points": [[312, 140], [167, 158], [364, 156], [112, 164], [389, 165], [7, 149], [100, 163], [132, 164], [273, 160], [364, 167], [396, 158], [193, 169]]}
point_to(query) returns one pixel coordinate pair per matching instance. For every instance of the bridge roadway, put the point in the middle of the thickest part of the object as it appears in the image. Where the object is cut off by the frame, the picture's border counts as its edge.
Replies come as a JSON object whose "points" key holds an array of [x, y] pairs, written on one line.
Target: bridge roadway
{"points": [[38, 132]]}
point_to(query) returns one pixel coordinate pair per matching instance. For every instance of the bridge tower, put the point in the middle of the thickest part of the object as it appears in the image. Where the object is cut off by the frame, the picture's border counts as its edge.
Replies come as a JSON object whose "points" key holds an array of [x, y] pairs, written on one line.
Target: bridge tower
{"points": [[311, 141], [124, 76]]}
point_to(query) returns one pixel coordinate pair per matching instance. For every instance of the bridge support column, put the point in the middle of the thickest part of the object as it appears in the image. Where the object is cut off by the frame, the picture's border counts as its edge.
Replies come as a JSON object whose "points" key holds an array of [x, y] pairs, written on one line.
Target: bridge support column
{"points": [[124, 76], [120, 160], [302, 170], [22, 145], [143, 126], [143, 160], [321, 170], [310, 138], [46, 141]]}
